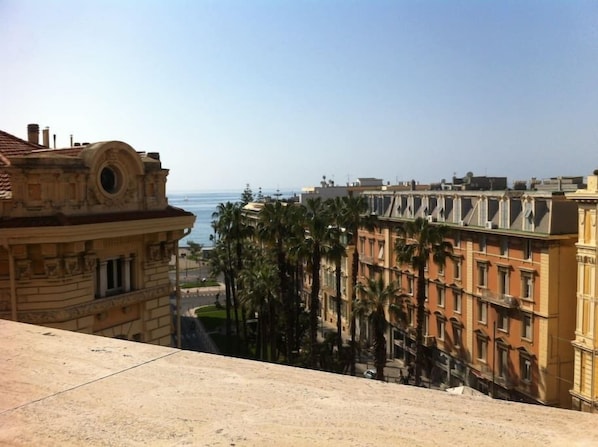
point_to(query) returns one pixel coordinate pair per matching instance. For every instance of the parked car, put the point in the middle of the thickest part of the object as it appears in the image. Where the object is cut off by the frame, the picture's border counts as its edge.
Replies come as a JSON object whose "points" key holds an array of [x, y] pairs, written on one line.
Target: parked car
{"points": [[370, 374]]}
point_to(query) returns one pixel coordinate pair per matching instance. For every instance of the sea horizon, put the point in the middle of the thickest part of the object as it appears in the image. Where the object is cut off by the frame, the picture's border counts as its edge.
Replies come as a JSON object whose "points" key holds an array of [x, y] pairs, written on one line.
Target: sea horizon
{"points": [[265, 191], [203, 203]]}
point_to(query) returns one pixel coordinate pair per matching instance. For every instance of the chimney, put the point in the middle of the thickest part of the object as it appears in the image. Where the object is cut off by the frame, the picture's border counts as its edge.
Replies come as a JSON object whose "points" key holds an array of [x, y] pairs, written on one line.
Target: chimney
{"points": [[54, 138], [46, 136], [33, 133]]}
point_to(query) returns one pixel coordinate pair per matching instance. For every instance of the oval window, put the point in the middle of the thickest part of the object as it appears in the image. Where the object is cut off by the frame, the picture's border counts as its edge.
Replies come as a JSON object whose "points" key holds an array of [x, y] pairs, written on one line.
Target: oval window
{"points": [[109, 180]]}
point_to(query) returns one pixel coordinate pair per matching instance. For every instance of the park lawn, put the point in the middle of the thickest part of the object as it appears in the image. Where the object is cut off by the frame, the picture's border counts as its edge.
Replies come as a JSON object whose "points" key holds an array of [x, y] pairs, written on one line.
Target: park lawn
{"points": [[211, 317], [196, 284], [214, 322]]}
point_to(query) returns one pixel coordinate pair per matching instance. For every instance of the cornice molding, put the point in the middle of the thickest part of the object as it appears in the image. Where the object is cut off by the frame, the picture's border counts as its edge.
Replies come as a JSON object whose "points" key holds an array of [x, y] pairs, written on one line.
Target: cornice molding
{"points": [[89, 308]]}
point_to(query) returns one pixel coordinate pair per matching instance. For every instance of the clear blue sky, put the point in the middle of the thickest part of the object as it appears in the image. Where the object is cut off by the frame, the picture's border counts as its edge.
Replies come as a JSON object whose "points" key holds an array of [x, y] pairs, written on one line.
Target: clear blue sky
{"points": [[279, 93]]}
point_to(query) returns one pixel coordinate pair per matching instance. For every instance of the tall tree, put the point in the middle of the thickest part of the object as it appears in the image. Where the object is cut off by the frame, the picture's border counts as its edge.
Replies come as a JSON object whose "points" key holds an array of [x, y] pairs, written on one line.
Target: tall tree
{"points": [[336, 253], [231, 234], [317, 223], [219, 264], [355, 216], [417, 242], [247, 195], [298, 256], [375, 298], [259, 296], [277, 224]]}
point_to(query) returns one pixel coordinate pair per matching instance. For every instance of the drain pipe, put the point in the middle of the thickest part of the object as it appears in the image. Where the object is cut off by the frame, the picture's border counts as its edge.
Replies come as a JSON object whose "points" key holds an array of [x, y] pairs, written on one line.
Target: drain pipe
{"points": [[13, 289], [178, 292], [178, 297]]}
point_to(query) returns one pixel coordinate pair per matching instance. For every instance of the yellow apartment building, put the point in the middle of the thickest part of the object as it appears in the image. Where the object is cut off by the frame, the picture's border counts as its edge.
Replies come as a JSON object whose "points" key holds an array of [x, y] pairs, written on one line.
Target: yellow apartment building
{"points": [[584, 391], [501, 314], [328, 292], [86, 236]]}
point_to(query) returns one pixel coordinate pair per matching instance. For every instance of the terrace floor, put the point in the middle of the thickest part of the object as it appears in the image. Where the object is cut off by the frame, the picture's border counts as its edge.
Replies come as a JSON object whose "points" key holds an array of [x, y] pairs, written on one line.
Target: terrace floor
{"points": [[68, 389]]}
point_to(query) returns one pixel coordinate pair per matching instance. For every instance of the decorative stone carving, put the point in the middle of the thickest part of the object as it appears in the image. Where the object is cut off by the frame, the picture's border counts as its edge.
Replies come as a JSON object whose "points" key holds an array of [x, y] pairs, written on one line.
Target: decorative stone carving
{"points": [[89, 262], [169, 250], [94, 307], [112, 155], [23, 269], [52, 267], [584, 259], [155, 252], [92, 196], [72, 266]]}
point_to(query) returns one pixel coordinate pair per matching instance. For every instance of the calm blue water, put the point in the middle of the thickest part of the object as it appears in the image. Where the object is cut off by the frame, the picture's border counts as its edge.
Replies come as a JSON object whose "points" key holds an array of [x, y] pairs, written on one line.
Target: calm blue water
{"points": [[203, 204]]}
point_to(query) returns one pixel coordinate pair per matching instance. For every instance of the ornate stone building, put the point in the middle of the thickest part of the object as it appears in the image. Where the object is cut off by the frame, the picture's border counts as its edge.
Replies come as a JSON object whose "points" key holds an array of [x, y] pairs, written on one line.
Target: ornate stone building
{"points": [[86, 236]]}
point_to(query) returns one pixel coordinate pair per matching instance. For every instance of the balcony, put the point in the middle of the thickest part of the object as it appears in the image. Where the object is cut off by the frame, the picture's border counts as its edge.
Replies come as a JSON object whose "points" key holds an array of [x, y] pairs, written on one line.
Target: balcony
{"points": [[367, 259], [504, 381], [458, 370], [500, 299], [429, 340], [485, 371]]}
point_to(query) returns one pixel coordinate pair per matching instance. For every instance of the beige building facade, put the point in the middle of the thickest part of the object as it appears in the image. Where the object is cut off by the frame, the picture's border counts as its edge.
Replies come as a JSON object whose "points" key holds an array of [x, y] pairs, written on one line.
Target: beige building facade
{"points": [[86, 236], [585, 384], [501, 314]]}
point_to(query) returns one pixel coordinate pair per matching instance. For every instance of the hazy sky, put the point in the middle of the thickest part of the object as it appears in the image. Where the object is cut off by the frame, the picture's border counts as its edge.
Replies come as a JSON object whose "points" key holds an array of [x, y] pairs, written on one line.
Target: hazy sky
{"points": [[280, 93]]}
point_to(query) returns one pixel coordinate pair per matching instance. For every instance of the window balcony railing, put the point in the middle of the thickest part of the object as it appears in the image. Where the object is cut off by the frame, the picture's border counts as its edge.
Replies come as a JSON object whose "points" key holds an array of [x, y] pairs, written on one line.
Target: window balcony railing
{"points": [[429, 340], [499, 299], [458, 372], [505, 381], [367, 259], [485, 371]]}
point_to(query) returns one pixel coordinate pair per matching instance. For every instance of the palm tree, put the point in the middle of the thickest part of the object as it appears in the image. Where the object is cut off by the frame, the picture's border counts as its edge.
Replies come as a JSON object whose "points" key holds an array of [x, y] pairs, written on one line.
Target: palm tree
{"points": [[375, 298], [336, 252], [277, 228], [298, 256], [417, 241], [317, 225], [219, 264], [259, 296], [226, 226], [354, 217]]}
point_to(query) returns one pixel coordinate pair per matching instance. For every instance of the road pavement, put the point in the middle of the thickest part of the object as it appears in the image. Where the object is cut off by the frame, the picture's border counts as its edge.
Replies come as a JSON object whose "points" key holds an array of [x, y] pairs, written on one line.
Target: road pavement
{"points": [[203, 296], [193, 334], [195, 338]]}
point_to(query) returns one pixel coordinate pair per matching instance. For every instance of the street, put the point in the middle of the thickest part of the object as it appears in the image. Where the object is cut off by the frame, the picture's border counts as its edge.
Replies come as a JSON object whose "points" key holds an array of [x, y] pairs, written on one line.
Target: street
{"points": [[193, 298]]}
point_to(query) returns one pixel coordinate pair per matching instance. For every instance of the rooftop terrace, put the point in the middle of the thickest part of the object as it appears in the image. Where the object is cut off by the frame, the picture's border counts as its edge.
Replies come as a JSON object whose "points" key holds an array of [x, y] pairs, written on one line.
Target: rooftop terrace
{"points": [[69, 389]]}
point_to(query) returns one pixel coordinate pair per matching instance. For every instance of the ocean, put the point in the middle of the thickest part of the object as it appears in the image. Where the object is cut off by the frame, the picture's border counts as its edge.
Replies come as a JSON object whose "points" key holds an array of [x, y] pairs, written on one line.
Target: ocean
{"points": [[204, 203]]}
